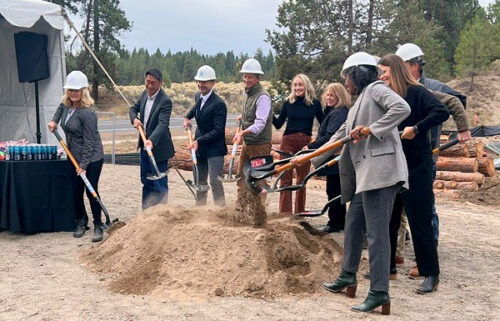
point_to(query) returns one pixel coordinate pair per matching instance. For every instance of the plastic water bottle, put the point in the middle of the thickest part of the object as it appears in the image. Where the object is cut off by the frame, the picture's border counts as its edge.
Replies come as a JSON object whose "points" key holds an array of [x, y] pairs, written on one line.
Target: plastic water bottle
{"points": [[17, 153], [29, 155], [37, 152]]}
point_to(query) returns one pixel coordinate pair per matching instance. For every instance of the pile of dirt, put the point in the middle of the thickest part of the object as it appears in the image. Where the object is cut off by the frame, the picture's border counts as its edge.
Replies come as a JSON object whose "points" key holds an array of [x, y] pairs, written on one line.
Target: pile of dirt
{"points": [[177, 252], [488, 193]]}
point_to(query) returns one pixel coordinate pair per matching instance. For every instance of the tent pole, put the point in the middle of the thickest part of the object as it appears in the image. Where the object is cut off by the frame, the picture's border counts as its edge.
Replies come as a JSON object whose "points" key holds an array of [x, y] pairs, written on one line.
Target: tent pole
{"points": [[37, 108]]}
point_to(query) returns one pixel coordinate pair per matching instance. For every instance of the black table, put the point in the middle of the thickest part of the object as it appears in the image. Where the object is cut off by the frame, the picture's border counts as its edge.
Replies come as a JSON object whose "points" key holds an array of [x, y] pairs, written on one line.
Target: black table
{"points": [[36, 196]]}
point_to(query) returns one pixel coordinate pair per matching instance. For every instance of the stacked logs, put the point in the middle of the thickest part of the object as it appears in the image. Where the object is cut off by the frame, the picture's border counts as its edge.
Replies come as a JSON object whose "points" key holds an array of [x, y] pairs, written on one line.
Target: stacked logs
{"points": [[462, 167]]}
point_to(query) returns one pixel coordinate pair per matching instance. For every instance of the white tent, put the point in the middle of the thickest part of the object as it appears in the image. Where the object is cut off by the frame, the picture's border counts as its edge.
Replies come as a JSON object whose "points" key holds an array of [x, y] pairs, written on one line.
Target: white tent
{"points": [[17, 100]]}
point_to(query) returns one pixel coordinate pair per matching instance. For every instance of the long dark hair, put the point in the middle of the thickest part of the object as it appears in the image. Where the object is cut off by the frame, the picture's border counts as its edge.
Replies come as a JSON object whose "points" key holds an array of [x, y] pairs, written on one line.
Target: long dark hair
{"points": [[401, 78], [361, 76]]}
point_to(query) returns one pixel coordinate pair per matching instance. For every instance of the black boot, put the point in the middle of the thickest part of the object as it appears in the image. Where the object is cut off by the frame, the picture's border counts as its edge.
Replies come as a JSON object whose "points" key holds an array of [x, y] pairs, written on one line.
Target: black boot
{"points": [[346, 280], [373, 301], [98, 233], [79, 229], [393, 274], [429, 285], [330, 229]]}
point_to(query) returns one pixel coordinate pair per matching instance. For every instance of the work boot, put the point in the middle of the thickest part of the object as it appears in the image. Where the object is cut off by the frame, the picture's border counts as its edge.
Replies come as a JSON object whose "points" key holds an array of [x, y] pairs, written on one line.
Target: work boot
{"points": [[373, 301], [79, 229], [429, 285], [98, 233], [346, 280]]}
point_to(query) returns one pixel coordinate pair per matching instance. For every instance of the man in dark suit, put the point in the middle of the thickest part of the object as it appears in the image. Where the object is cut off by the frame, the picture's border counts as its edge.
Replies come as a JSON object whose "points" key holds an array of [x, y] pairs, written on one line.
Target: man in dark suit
{"points": [[210, 112], [152, 111]]}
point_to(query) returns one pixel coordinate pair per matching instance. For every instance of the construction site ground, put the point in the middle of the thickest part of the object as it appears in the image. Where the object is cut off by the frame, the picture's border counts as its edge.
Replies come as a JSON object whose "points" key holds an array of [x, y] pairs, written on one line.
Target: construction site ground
{"points": [[49, 276]]}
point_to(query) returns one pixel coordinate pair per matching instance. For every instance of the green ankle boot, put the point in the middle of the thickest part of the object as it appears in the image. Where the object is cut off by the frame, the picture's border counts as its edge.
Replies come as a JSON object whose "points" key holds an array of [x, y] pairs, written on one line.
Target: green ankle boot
{"points": [[374, 300], [346, 280]]}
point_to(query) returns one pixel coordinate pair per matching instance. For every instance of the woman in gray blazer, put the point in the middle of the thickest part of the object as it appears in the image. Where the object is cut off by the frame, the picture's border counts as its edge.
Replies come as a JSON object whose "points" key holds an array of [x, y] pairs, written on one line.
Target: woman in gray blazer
{"points": [[79, 123], [372, 171]]}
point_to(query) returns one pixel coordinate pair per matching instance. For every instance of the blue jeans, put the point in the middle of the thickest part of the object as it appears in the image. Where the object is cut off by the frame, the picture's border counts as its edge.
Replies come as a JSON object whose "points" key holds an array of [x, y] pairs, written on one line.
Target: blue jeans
{"points": [[153, 192]]}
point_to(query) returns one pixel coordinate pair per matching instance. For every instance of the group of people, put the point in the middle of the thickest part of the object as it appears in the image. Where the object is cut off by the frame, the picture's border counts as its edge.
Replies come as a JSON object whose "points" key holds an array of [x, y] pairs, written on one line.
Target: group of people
{"points": [[388, 108]]}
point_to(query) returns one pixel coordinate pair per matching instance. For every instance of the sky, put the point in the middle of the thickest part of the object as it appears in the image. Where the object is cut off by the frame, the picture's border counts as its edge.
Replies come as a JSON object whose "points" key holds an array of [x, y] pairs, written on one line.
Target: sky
{"points": [[209, 26]]}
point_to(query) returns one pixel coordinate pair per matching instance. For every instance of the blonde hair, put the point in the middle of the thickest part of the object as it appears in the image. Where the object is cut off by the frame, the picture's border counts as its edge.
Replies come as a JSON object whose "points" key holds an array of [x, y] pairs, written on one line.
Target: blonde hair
{"points": [[343, 97], [309, 93], [86, 100]]}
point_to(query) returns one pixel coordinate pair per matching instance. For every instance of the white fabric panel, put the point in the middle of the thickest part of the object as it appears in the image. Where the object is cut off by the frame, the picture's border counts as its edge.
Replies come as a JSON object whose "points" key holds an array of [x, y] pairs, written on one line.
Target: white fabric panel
{"points": [[17, 100], [25, 13]]}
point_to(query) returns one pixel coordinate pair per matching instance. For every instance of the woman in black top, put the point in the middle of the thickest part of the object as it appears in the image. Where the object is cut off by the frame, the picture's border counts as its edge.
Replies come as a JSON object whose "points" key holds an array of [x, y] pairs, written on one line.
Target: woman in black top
{"points": [[299, 111], [426, 112], [79, 123], [337, 101]]}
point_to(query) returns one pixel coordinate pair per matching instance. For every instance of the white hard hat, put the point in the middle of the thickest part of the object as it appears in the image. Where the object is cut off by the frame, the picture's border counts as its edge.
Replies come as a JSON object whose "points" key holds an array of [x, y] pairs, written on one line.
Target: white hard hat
{"points": [[358, 59], [409, 51], [205, 73], [76, 80], [251, 66]]}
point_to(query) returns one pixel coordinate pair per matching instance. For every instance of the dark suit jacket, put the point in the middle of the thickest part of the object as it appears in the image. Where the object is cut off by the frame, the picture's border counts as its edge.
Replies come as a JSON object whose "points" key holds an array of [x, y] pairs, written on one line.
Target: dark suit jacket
{"points": [[81, 132], [211, 125], [157, 128]]}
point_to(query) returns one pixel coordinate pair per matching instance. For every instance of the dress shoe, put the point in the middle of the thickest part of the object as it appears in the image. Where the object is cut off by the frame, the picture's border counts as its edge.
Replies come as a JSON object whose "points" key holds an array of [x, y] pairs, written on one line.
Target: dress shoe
{"points": [[399, 260], [374, 300], [393, 274], [98, 234], [79, 229], [346, 280], [414, 274], [429, 285], [330, 229]]}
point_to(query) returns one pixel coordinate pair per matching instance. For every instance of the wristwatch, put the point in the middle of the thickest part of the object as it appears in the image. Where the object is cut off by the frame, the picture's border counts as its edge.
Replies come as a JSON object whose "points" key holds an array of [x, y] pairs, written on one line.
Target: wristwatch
{"points": [[415, 130]]}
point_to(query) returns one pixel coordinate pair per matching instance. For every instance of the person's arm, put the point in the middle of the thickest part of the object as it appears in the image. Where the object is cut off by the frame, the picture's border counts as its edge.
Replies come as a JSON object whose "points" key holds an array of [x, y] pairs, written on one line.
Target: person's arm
{"points": [[341, 133], [318, 111], [163, 121], [261, 115], [56, 118], [457, 111], [397, 110], [436, 113], [89, 128], [333, 126], [280, 120], [217, 132], [134, 111]]}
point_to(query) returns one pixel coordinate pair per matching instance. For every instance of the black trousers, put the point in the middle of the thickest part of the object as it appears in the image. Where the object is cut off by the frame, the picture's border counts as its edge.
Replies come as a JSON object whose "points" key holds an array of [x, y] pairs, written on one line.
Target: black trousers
{"points": [[93, 173], [337, 210], [417, 202]]}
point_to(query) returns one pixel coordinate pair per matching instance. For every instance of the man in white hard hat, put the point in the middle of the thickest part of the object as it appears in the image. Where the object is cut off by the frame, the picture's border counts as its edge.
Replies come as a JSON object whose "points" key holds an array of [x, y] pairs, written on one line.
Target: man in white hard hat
{"points": [[210, 112], [256, 118], [413, 57], [152, 111]]}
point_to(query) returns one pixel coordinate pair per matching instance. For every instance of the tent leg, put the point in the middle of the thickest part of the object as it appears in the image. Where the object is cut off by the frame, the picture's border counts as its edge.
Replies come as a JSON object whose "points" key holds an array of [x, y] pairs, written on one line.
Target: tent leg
{"points": [[37, 102]]}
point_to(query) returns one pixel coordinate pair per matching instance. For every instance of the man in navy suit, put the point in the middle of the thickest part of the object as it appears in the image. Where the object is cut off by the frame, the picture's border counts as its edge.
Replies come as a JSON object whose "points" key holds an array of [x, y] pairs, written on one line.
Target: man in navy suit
{"points": [[152, 111], [210, 112]]}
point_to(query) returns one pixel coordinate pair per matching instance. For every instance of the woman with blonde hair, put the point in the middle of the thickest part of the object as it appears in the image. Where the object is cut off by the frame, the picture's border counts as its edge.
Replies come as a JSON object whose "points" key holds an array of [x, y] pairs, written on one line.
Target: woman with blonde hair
{"points": [[79, 123], [337, 101], [299, 111]]}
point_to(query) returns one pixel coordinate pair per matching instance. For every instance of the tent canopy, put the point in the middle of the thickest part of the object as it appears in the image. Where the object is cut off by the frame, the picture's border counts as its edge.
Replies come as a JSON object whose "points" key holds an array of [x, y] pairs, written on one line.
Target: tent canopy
{"points": [[17, 100]]}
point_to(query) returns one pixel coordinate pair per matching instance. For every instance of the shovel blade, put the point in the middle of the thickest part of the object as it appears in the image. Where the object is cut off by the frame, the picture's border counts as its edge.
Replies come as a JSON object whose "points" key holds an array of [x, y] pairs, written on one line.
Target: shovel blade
{"points": [[156, 177], [311, 213]]}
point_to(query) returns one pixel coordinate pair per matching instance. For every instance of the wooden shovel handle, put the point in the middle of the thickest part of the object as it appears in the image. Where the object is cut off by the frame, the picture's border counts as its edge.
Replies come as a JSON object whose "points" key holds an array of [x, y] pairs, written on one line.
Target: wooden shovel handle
{"points": [[141, 132], [66, 149], [190, 135]]}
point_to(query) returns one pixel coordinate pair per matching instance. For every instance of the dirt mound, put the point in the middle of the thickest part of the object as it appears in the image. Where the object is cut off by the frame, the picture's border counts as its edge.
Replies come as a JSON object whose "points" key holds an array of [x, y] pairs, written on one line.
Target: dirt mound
{"points": [[488, 194], [176, 252]]}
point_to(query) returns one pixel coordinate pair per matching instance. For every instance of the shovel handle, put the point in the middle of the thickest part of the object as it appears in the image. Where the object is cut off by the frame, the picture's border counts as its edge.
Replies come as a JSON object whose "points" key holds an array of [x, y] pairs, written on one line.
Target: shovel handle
{"points": [[66, 149], [144, 139], [445, 146]]}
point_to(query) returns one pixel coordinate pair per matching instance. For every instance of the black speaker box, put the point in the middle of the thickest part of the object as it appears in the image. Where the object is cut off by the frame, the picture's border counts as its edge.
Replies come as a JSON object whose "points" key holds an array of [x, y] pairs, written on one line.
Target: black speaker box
{"points": [[31, 55]]}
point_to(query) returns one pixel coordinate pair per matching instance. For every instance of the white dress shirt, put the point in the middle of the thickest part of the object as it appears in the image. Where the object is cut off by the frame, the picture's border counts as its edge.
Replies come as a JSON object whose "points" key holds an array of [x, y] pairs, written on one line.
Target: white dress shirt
{"points": [[149, 105], [204, 99]]}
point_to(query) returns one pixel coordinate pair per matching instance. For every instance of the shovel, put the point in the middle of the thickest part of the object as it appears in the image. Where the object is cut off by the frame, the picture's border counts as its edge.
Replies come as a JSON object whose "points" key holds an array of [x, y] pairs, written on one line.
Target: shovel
{"points": [[196, 185], [230, 178], [108, 226], [157, 174], [260, 168], [188, 182]]}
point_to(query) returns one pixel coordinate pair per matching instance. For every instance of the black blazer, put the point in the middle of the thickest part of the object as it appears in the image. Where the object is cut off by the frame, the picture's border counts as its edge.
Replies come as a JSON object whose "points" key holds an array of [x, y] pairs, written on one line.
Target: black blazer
{"points": [[335, 117], [157, 128], [211, 125], [81, 132]]}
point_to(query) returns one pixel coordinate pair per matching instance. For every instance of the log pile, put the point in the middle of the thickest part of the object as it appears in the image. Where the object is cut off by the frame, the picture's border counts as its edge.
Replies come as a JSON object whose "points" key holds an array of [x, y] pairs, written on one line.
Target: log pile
{"points": [[462, 167]]}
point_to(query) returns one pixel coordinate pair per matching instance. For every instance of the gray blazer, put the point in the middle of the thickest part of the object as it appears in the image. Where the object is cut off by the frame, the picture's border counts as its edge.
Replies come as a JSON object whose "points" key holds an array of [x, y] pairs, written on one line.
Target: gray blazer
{"points": [[81, 132], [377, 161]]}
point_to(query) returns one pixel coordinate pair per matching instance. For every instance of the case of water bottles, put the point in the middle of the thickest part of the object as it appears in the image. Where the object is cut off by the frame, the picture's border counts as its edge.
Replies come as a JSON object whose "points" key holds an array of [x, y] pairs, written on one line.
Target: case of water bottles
{"points": [[32, 152]]}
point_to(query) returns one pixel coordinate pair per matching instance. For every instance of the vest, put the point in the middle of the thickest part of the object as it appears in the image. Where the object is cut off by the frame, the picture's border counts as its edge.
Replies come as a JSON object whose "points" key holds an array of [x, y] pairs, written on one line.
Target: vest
{"points": [[248, 117]]}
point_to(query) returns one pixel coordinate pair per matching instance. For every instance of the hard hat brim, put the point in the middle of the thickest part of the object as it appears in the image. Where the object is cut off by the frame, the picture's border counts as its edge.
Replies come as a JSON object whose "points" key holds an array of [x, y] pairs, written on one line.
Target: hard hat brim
{"points": [[74, 87], [251, 72]]}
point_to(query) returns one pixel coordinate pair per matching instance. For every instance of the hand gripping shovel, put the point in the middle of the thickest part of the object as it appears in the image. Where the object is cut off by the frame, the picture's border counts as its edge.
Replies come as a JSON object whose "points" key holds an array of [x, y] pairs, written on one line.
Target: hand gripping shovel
{"points": [[108, 226], [260, 168], [197, 186], [229, 177], [156, 175]]}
